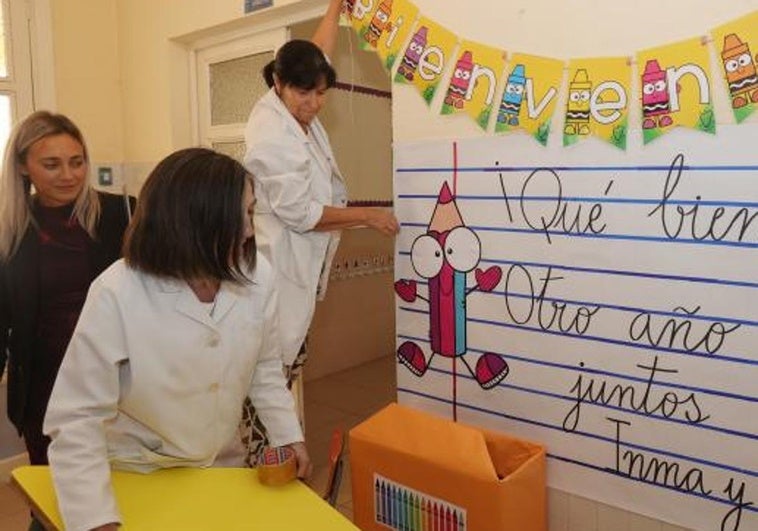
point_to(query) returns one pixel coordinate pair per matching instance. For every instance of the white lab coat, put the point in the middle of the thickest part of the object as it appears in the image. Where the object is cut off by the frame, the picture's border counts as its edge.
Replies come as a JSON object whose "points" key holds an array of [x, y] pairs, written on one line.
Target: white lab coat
{"points": [[150, 380], [294, 179]]}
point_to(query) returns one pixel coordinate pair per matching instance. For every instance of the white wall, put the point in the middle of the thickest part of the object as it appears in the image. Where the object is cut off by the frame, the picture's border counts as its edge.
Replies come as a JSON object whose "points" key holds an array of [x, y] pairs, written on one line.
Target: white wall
{"points": [[576, 28]]}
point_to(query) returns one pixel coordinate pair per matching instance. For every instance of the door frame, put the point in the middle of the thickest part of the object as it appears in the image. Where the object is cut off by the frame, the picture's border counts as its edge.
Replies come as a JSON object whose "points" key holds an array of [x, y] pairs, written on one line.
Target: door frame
{"points": [[261, 42], [259, 31], [266, 25]]}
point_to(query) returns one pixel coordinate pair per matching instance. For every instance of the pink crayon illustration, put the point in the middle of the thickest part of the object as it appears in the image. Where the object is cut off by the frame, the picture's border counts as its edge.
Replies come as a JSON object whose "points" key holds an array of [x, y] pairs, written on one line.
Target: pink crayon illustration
{"points": [[456, 92], [444, 255], [655, 97]]}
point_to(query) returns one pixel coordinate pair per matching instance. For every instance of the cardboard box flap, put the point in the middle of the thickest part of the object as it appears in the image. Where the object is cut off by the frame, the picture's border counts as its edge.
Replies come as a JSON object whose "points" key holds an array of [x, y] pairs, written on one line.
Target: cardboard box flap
{"points": [[441, 442], [509, 454]]}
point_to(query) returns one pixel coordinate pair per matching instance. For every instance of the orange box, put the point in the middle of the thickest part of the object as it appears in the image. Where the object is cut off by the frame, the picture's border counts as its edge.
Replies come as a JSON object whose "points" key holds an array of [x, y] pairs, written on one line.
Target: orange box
{"points": [[413, 471]]}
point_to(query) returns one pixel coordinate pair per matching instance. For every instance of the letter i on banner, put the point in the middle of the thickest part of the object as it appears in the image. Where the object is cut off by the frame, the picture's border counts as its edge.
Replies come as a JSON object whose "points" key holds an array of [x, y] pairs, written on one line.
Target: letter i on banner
{"points": [[401, 15], [737, 49], [474, 81], [676, 89], [530, 95], [597, 100], [426, 56]]}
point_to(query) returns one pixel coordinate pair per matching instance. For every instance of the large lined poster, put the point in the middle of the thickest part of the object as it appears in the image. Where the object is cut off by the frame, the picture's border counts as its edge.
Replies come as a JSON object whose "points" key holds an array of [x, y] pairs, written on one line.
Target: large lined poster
{"points": [[604, 303]]}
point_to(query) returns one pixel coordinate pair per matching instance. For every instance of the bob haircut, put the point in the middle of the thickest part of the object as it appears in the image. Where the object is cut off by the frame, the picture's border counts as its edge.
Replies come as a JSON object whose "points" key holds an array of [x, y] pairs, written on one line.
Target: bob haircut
{"points": [[188, 223], [301, 64]]}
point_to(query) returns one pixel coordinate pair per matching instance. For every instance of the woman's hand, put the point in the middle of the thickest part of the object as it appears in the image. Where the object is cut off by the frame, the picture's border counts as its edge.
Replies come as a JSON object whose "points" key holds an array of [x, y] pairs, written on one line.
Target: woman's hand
{"points": [[382, 220], [377, 218], [304, 465]]}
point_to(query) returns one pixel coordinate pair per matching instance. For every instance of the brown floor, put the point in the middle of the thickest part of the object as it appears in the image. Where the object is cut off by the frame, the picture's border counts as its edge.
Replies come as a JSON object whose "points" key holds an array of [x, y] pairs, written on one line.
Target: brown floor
{"points": [[343, 399]]}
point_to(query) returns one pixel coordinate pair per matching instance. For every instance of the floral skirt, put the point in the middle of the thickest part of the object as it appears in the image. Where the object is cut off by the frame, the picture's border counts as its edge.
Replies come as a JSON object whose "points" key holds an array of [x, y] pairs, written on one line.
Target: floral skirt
{"points": [[252, 431]]}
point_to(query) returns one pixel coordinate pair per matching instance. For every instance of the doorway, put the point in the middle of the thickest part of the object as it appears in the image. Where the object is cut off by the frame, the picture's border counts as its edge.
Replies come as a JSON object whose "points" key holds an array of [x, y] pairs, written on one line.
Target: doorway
{"points": [[354, 325]]}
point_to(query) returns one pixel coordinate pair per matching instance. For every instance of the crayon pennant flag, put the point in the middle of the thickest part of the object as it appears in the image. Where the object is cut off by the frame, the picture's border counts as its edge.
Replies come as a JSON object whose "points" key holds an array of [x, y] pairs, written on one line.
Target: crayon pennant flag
{"points": [[530, 95], [426, 57], [401, 17], [597, 102], [675, 88], [737, 49], [474, 81]]}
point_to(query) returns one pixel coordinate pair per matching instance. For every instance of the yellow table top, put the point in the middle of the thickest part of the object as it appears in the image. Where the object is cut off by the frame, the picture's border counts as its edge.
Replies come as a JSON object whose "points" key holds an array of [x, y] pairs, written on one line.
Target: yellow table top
{"points": [[196, 499]]}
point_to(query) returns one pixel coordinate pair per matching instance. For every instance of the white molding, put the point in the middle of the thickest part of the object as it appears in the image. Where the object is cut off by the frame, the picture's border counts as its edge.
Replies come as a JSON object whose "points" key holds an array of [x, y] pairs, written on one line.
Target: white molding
{"points": [[256, 22], [234, 34], [194, 97], [8, 464], [43, 58]]}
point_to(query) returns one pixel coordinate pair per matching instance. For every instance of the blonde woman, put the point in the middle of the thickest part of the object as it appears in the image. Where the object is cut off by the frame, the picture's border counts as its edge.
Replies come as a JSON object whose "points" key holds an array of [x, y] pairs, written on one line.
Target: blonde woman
{"points": [[56, 235]]}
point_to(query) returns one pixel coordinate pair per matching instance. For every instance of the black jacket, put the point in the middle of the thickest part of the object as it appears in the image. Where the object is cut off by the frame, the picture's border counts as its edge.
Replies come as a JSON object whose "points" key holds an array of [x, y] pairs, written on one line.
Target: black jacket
{"points": [[19, 297]]}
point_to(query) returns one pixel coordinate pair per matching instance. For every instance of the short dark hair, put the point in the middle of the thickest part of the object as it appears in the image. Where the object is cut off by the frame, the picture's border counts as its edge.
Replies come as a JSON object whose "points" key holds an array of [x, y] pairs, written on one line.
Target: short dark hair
{"points": [[188, 222], [301, 64]]}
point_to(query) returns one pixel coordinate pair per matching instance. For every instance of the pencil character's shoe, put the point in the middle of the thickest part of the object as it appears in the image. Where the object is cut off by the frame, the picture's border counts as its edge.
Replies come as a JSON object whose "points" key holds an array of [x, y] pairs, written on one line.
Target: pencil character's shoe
{"points": [[490, 370]]}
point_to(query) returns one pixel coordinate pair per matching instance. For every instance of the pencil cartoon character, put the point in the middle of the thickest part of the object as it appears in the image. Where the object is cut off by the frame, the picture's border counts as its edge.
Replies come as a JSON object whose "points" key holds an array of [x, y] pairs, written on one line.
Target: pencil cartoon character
{"points": [[444, 255]]}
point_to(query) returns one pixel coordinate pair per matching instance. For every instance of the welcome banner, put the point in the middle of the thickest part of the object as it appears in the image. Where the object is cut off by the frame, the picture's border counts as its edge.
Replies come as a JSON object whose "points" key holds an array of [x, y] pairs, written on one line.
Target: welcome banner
{"points": [[675, 88]]}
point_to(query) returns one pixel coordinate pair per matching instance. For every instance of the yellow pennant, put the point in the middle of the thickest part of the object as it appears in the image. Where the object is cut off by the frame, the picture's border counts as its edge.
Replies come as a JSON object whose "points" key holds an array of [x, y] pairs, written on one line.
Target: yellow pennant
{"points": [[597, 102], [675, 88], [737, 49], [370, 19], [401, 18], [426, 57], [530, 95], [473, 82]]}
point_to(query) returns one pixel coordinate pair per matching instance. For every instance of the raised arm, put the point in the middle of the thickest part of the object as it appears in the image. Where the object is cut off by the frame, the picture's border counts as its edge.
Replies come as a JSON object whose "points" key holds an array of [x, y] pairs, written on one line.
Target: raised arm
{"points": [[325, 36]]}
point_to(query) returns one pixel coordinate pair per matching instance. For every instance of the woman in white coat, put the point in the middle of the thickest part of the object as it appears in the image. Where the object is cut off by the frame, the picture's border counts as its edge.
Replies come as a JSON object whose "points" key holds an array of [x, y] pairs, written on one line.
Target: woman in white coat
{"points": [[170, 343], [300, 190]]}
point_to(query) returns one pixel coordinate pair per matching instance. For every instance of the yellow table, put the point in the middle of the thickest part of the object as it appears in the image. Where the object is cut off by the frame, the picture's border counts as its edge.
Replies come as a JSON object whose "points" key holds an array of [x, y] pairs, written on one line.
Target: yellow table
{"points": [[189, 499]]}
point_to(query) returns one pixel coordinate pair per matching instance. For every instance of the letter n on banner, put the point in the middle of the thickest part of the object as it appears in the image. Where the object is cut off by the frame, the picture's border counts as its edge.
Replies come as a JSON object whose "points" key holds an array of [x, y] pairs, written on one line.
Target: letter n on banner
{"points": [[676, 88], [473, 83]]}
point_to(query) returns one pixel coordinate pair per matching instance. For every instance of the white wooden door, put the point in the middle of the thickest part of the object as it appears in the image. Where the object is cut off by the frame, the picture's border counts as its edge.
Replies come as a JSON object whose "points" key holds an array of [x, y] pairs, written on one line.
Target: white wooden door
{"points": [[229, 82]]}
